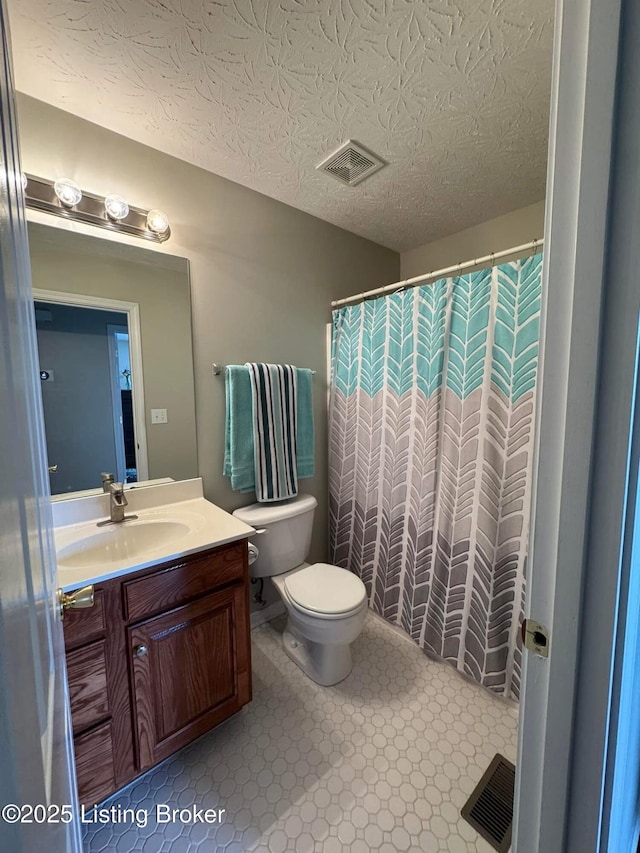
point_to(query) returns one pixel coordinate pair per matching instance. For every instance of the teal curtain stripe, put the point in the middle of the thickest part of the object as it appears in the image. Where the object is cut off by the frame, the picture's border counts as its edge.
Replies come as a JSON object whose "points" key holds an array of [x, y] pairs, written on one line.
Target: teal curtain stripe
{"points": [[439, 335], [431, 302], [517, 327]]}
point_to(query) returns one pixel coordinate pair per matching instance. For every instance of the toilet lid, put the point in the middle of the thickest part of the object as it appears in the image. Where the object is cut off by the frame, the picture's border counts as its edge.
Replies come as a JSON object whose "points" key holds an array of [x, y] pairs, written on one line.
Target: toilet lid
{"points": [[325, 589]]}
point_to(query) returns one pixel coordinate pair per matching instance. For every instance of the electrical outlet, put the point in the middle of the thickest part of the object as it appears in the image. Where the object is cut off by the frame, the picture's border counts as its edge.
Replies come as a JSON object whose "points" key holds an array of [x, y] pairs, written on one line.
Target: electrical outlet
{"points": [[158, 416]]}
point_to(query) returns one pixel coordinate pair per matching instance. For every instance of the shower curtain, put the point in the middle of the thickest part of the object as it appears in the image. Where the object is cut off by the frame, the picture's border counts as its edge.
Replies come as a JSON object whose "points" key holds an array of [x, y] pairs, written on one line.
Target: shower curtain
{"points": [[431, 443]]}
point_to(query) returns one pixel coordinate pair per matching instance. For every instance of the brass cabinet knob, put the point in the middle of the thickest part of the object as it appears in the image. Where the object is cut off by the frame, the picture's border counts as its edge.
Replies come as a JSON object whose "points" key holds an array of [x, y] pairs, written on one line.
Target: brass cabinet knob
{"points": [[76, 600], [140, 651], [53, 469]]}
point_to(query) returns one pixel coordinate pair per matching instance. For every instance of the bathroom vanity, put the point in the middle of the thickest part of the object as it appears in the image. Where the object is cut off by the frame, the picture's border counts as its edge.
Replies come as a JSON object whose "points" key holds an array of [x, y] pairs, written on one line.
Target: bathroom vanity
{"points": [[163, 655]]}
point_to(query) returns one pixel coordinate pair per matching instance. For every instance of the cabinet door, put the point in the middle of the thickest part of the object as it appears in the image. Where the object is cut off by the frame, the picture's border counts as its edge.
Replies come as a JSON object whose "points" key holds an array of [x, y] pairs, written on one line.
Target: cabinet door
{"points": [[189, 671]]}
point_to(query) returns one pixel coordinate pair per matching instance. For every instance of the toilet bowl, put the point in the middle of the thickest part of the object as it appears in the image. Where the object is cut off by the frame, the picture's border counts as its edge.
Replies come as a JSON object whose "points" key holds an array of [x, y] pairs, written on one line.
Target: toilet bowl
{"points": [[326, 605], [326, 614]]}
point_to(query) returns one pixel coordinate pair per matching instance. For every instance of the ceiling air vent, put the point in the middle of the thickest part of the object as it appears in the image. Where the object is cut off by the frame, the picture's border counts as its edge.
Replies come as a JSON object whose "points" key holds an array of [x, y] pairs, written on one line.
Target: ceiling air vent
{"points": [[351, 163]]}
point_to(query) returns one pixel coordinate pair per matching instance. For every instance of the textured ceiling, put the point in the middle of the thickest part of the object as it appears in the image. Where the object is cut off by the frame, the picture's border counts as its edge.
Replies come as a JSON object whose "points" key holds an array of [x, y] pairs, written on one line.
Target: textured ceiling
{"points": [[453, 95]]}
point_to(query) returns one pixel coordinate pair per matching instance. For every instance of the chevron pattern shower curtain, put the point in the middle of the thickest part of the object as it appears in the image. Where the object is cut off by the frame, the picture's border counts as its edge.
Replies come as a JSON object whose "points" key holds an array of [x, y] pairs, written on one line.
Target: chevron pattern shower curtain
{"points": [[431, 444]]}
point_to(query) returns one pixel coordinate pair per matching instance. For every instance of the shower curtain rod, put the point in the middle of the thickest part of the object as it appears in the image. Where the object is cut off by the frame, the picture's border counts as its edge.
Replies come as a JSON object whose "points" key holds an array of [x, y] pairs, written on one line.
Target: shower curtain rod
{"points": [[431, 276]]}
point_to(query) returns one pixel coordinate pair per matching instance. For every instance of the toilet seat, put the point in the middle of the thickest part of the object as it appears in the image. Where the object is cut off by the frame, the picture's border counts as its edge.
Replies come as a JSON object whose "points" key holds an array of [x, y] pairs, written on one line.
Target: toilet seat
{"points": [[325, 591]]}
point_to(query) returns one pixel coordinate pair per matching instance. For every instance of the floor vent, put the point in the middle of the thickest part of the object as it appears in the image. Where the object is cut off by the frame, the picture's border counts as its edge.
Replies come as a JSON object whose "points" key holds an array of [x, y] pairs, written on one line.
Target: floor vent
{"points": [[489, 809], [351, 163]]}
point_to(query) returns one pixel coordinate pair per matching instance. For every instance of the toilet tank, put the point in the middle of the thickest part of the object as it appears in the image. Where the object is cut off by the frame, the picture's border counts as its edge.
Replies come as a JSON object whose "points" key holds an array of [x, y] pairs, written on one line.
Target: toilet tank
{"points": [[286, 539]]}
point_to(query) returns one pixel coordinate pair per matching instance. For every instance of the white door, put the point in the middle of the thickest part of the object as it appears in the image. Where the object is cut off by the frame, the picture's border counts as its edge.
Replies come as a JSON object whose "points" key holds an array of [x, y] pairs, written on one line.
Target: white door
{"points": [[35, 732], [580, 558]]}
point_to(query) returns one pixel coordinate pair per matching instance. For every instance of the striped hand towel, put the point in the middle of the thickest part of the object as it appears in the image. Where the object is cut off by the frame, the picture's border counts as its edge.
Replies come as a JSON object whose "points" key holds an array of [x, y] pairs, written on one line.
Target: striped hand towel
{"points": [[274, 389]]}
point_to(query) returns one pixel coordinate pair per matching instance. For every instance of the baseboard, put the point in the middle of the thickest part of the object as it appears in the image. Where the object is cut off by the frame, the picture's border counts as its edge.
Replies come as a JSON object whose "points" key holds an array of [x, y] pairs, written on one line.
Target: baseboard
{"points": [[258, 617]]}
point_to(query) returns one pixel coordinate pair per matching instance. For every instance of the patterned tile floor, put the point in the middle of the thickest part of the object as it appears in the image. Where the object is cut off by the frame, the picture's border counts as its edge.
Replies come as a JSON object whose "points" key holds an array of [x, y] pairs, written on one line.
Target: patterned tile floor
{"points": [[381, 762]]}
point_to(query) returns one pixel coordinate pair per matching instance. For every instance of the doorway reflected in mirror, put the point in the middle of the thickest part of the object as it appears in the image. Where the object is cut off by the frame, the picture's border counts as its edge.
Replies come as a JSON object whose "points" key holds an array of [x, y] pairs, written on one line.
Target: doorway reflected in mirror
{"points": [[85, 370]]}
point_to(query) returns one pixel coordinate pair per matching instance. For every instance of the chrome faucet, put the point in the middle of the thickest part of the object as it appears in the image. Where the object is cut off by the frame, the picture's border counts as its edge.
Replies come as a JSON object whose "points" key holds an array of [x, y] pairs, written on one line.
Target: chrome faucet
{"points": [[117, 503], [107, 479]]}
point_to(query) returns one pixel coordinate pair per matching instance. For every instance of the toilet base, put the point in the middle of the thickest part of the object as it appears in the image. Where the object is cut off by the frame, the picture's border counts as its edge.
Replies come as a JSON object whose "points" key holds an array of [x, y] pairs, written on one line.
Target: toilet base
{"points": [[324, 664]]}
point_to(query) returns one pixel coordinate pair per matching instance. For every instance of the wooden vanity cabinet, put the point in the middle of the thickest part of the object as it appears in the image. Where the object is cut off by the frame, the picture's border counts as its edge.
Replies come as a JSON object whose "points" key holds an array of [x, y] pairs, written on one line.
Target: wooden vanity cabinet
{"points": [[186, 679], [162, 657]]}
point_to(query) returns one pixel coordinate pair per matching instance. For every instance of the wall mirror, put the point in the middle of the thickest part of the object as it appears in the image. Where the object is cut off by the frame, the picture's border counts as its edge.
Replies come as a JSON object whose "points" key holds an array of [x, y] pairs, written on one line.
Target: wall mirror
{"points": [[113, 324]]}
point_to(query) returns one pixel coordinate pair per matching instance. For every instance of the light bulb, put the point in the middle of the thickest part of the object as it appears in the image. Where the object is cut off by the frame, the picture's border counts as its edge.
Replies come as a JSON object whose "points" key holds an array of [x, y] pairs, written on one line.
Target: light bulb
{"points": [[116, 207], [157, 222], [68, 192]]}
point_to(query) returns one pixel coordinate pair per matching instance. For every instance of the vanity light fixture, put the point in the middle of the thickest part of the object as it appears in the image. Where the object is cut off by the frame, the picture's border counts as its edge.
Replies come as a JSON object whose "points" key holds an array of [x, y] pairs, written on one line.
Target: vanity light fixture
{"points": [[65, 198], [157, 221], [68, 192], [116, 207]]}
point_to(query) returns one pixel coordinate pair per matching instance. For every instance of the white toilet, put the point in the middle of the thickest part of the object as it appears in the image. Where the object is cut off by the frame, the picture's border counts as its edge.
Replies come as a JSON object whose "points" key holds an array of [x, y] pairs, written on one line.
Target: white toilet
{"points": [[326, 605]]}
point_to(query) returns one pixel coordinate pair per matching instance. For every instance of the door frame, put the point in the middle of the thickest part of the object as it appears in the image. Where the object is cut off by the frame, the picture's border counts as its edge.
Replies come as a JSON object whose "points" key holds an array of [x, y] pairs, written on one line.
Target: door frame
{"points": [[621, 818], [588, 340], [607, 639], [116, 398], [132, 310]]}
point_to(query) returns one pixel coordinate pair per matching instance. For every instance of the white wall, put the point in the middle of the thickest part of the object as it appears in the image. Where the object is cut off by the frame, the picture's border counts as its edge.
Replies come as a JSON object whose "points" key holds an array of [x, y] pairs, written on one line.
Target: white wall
{"points": [[262, 273], [513, 229]]}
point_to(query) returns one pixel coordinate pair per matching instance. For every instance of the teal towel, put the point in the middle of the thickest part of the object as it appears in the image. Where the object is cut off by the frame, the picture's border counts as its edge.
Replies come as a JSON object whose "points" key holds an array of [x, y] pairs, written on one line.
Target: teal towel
{"points": [[239, 459], [306, 438], [238, 438]]}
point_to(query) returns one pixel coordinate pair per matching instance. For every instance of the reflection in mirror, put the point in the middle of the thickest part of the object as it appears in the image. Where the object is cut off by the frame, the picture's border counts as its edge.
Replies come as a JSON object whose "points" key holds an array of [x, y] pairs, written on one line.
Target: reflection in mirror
{"points": [[87, 397], [114, 337]]}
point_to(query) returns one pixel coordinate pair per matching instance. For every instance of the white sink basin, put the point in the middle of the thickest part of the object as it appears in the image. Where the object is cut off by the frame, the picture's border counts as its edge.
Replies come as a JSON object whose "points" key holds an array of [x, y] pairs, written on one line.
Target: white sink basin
{"points": [[174, 520], [119, 543]]}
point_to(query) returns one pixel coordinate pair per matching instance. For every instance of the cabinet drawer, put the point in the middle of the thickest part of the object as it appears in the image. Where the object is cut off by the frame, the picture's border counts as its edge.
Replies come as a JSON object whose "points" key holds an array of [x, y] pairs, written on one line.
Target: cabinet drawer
{"points": [[94, 764], [87, 676], [81, 626], [184, 581]]}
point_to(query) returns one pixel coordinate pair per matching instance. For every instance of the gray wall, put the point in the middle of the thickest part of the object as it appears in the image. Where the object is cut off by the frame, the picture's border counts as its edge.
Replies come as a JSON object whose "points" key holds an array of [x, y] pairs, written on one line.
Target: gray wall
{"points": [[78, 409], [513, 229], [75, 263], [262, 273]]}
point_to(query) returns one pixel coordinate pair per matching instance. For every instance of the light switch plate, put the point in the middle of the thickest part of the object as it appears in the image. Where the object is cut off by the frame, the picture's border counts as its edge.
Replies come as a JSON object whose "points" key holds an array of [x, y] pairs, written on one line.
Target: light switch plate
{"points": [[158, 416]]}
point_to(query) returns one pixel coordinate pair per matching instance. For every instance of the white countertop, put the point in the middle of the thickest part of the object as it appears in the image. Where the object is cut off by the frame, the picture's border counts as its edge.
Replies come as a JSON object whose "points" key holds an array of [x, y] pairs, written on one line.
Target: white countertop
{"points": [[205, 525]]}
